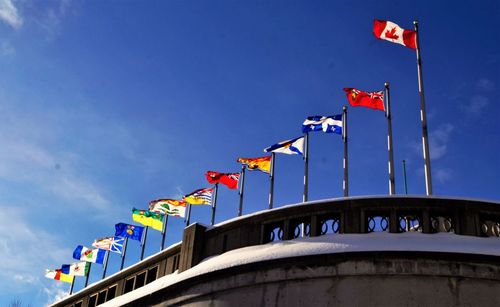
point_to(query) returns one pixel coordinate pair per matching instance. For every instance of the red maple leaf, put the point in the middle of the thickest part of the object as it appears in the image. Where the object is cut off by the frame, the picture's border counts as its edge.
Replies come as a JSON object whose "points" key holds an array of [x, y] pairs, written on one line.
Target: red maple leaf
{"points": [[391, 34]]}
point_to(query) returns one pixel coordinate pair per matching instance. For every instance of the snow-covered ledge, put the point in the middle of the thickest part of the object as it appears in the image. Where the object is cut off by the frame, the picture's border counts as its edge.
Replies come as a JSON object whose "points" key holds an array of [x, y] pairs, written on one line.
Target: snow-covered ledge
{"points": [[327, 244]]}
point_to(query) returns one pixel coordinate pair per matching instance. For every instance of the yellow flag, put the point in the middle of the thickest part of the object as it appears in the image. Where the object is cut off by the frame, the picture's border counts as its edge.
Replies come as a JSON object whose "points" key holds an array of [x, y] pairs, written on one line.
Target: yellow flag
{"points": [[262, 164]]}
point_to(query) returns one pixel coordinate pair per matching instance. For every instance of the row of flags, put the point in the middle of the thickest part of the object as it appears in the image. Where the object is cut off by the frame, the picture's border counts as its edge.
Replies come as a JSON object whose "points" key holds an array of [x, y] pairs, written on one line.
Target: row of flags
{"points": [[155, 216]]}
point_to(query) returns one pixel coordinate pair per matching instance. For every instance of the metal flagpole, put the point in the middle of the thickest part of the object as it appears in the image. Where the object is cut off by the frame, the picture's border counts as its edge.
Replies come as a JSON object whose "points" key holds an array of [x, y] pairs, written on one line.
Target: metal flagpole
{"points": [[214, 205], [388, 114], [345, 185], [72, 285], [143, 243], [88, 275], [124, 252], [306, 165], [271, 179], [188, 220], [423, 118], [404, 174], [164, 231], [242, 189], [105, 264]]}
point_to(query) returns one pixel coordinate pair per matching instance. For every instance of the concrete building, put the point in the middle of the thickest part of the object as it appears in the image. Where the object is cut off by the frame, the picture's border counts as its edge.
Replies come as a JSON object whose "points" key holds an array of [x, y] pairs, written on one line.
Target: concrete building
{"points": [[357, 251]]}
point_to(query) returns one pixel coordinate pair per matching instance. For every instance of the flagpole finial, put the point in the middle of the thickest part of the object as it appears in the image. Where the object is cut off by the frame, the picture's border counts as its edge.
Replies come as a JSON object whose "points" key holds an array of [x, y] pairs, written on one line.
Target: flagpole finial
{"points": [[344, 108], [386, 84], [415, 23]]}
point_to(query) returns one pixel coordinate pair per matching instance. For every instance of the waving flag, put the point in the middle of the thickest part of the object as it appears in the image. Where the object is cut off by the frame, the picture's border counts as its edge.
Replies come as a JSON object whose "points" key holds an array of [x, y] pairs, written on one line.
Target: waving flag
{"points": [[373, 100], [169, 207], [129, 231], [262, 164], [327, 124], [228, 179], [90, 255], [76, 269], [390, 31], [148, 218], [289, 147], [200, 197], [58, 275], [112, 244]]}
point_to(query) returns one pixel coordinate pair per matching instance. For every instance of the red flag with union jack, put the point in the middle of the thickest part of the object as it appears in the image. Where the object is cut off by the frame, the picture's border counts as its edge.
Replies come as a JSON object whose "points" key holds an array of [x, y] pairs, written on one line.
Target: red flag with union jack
{"points": [[229, 179], [373, 100]]}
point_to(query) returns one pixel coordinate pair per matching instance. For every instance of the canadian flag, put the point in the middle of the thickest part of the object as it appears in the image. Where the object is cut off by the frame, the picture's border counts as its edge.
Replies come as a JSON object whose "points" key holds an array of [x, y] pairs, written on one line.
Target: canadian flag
{"points": [[390, 31]]}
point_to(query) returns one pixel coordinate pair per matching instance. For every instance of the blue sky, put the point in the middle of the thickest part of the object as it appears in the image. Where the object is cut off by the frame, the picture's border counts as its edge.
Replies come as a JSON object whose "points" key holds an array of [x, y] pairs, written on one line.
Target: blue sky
{"points": [[106, 105]]}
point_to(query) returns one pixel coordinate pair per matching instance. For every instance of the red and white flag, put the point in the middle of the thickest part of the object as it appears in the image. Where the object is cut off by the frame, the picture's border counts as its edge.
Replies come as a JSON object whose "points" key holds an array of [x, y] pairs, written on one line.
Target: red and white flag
{"points": [[390, 31], [229, 179], [372, 100]]}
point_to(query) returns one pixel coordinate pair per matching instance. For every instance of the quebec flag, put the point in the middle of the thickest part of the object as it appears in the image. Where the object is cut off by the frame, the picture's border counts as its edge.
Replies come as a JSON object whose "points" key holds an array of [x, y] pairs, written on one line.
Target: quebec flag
{"points": [[327, 124]]}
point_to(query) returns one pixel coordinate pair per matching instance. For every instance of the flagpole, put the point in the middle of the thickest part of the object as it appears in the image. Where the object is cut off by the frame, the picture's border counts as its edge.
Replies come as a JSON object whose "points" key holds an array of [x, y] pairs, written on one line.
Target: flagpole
{"points": [[271, 179], [143, 243], [388, 114], [404, 174], [72, 285], [124, 252], [164, 231], [345, 185], [423, 118], [105, 265], [88, 275], [188, 215], [242, 189], [306, 165], [214, 205]]}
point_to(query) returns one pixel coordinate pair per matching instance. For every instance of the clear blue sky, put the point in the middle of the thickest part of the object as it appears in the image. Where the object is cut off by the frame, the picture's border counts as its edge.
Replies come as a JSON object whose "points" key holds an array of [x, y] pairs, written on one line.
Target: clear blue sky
{"points": [[105, 105]]}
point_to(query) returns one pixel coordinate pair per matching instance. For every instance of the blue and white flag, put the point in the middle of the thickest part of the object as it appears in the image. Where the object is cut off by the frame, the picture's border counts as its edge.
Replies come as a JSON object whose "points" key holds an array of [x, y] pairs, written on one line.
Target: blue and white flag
{"points": [[327, 124], [289, 147], [76, 269], [112, 244], [90, 255]]}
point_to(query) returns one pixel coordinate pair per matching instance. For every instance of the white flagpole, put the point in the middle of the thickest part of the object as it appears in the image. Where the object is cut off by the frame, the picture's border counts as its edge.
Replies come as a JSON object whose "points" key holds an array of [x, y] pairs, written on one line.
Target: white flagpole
{"points": [[105, 264], [72, 285], [388, 114], [87, 277], [423, 118], [188, 220], [164, 231], [214, 205], [345, 185], [242, 189], [124, 252], [271, 179], [306, 166], [143, 243]]}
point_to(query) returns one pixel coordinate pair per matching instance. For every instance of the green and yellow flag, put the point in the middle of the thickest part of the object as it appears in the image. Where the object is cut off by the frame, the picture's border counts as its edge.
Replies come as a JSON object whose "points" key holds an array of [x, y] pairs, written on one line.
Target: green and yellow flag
{"points": [[148, 218]]}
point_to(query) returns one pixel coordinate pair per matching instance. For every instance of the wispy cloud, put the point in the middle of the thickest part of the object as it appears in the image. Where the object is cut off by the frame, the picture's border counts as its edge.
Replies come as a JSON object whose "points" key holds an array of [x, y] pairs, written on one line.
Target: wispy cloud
{"points": [[52, 17], [479, 101], [485, 85], [55, 292], [27, 250], [9, 14], [6, 49], [476, 105], [438, 140], [442, 175]]}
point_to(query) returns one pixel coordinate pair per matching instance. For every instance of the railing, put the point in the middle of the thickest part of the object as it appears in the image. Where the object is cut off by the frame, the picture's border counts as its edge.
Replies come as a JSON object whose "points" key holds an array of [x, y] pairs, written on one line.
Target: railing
{"points": [[395, 214]]}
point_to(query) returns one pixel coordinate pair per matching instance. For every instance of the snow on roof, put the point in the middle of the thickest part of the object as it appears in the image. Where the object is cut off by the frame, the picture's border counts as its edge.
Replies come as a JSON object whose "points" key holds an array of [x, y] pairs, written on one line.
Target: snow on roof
{"points": [[264, 211], [327, 244]]}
